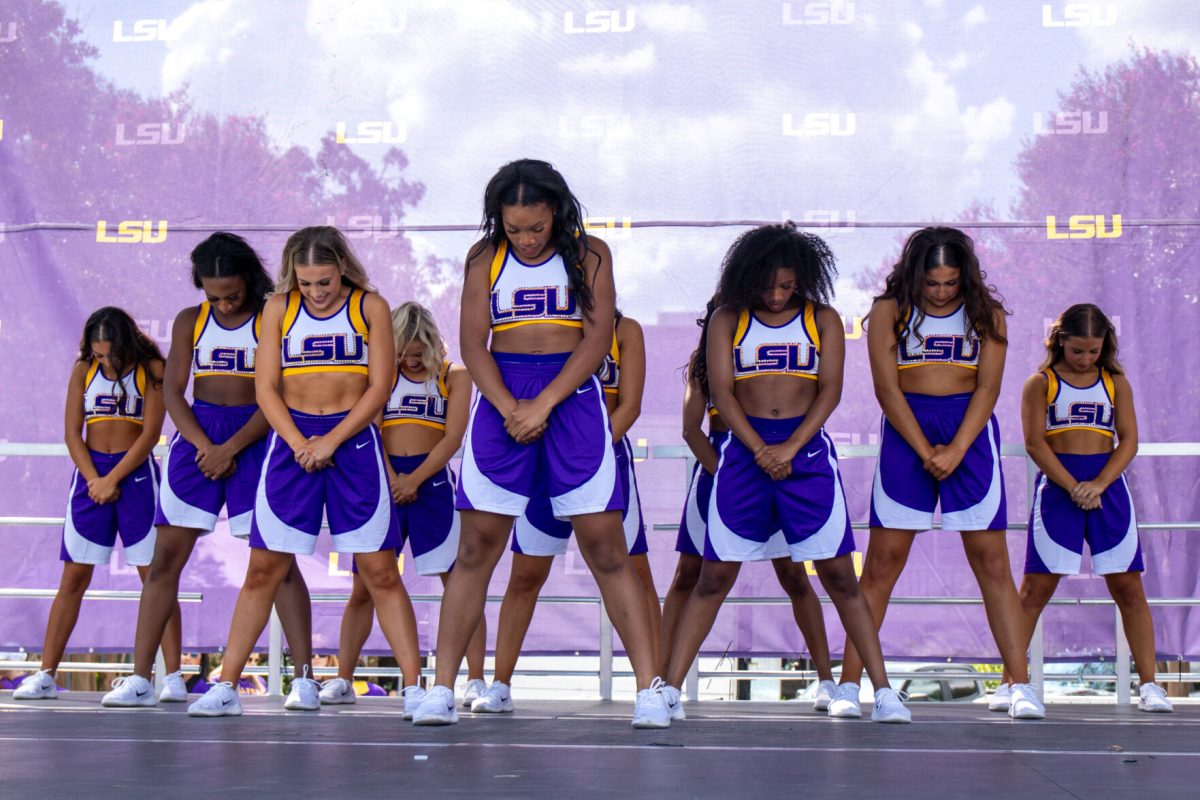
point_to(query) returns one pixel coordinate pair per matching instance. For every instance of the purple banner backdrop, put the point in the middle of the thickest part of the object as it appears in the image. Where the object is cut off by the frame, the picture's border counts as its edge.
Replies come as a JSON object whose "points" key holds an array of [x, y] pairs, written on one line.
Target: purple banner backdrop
{"points": [[128, 131]]}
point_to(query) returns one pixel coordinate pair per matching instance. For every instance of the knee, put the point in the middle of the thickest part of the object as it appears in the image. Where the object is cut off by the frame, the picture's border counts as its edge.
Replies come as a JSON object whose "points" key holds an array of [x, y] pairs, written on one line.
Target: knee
{"points": [[794, 582], [713, 583], [382, 576], [839, 581], [476, 552], [75, 582], [993, 567], [1128, 594], [526, 583], [686, 576], [262, 575], [1034, 596], [882, 569], [359, 594]]}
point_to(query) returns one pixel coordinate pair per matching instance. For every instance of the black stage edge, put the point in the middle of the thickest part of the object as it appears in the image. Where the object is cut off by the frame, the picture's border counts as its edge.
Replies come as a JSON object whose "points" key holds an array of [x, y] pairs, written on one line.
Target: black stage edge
{"points": [[70, 748]]}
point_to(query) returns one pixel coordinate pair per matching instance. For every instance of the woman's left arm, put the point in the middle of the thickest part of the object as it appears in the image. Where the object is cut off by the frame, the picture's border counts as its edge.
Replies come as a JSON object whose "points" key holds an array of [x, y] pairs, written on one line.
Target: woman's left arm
{"points": [[946, 458], [1126, 449], [829, 380], [153, 412], [458, 410], [631, 344], [529, 417], [381, 363]]}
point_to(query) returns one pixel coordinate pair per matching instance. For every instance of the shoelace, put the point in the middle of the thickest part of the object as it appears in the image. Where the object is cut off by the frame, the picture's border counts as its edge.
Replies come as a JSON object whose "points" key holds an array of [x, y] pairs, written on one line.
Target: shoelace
{"points": [[656, 685], [1153, 690], [901, 696]]}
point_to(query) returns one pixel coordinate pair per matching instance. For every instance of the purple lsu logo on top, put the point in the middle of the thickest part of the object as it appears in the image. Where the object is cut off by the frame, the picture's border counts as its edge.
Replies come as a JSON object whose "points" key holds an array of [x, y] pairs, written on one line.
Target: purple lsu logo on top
{"points": [[790, 357], [941, 348], [1082, 413], [422, 405], [224, 359], [534, 303], [324, 348], [116, 405]]}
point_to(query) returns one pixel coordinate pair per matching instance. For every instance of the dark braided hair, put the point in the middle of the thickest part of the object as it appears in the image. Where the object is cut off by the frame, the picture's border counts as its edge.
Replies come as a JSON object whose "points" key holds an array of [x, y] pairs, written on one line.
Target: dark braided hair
{"points": [[934, 247], [526, 183], [697, 368], [226, 255], [752, 261], [129, 346]]}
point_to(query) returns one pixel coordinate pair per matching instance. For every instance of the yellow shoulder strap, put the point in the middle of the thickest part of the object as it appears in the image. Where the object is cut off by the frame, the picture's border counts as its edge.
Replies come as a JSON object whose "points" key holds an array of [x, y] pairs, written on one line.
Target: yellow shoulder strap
{"points": [[290, 314], [91, 374], [442, 381], [742, 326], [498, 263], [357, 299], [257, 325], [1051, 385], [1109, 386], [139, 379], [810, 325], [201, 321]]}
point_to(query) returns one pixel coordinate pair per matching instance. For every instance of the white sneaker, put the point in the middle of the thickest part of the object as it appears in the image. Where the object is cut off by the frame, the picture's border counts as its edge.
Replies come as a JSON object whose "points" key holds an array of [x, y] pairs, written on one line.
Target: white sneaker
{"points": [[473, 691], [844, 704], [1152, 698], [1025, 703], [174, 689], [497, 699], [337, 691], [130, 692], [1001, 699], [413, 695], [674, 702], [437, 708], [824, 696], [221, 700], [650, 708], [38, 686], [305, 694], [889, 707]]}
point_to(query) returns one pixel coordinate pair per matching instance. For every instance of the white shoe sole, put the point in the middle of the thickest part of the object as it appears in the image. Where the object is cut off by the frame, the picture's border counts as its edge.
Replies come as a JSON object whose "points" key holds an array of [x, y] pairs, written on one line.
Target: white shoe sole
{"points": [[1155, 710], [845, 714], [505, 708], [133, 704], [893, 718], [338, 701], [219, 713], [647, 723], [299, 707], [432, 721], [1029, 714]]}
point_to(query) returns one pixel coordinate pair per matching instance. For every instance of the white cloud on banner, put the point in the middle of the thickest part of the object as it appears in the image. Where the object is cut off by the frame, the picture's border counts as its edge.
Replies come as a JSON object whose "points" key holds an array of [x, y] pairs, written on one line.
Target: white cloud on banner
{"points": [[631, 63], [976, 16], [1161, 25]]}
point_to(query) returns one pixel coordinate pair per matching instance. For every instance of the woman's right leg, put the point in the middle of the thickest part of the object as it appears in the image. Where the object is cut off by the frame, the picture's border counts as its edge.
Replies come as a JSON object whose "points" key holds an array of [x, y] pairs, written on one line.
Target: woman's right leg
{"points": [[887, 553], [525, 581], [1036, 590], [264, 573], [294, 607], [484, 536], [716, 579], [397, 620], [160, 591], [64, 612], [806, 608], [687, 572], [357, 620]]}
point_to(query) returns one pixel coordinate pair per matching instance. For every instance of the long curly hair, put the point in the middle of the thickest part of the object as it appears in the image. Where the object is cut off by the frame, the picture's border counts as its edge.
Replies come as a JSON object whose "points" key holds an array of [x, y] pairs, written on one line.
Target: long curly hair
{"points": [[527, 182], [1084, 319], [697, 368], [752, 260], [928, 249], [320, 244], [226, 255], [129, 347]]}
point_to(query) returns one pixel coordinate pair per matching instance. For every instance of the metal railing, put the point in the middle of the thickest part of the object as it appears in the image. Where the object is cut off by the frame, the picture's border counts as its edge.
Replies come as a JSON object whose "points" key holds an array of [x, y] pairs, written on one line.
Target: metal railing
{"points": [[605, 672]]}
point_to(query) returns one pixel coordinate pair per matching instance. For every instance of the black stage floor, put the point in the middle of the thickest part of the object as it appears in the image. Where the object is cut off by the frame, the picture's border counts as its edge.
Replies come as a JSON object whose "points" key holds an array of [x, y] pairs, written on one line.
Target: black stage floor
{"points": [[70, 748]]}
